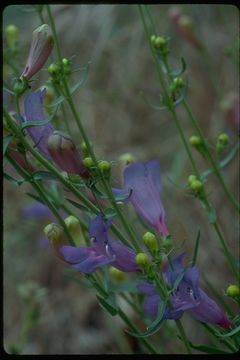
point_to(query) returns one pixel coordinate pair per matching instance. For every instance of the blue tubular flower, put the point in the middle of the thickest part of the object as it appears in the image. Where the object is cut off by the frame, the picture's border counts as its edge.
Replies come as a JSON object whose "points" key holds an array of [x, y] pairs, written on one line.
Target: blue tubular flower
{"points": [[104, 250], [144, 182], [187, 297], [33, 108]]}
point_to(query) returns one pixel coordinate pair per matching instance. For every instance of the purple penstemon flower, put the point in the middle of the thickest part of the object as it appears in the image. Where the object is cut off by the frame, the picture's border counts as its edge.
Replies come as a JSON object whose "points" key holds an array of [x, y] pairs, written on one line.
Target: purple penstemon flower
{"points": [[104, 250], [187, 297], [142, 182]]}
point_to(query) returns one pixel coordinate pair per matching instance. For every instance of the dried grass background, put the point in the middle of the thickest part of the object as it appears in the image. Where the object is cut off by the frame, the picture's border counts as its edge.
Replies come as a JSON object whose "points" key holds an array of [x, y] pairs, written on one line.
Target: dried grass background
{"points": [[117, 121]]}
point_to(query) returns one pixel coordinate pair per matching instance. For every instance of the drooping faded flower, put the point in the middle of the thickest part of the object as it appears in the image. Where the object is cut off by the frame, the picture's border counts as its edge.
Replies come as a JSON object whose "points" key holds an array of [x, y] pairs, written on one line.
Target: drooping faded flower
{"points": [[53, 144], [65, 154], [142, 182], [104, 250], [41, 47], [187, 296]]}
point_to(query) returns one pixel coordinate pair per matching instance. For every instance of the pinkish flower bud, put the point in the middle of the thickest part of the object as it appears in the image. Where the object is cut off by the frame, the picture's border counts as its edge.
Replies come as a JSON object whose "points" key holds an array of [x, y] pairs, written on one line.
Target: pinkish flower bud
{"points": [[65, 154], [184, 26], [41, 46]]}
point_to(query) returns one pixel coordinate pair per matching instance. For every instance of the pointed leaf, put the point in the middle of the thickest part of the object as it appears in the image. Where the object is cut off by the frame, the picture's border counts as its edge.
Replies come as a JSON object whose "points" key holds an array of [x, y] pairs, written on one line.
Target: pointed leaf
{"points": [[196, 249], [231, 333], [35, 197], [156, 324], [208, 349], [152, 106], [77, 205], [176, 73], [43, 175], [13, 180]]}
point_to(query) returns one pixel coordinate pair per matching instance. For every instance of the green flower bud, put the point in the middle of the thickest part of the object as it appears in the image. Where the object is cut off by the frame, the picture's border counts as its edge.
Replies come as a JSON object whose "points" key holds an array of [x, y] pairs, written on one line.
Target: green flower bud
{"points": [[150, 241], [160, 43], [54, 70], [167, 243], [88, 162], [142, 260], [196, 185], [104, 166], [222, 142], [75, 229], [12, 35], [191, 178], [152, 39], [233, 291], [20, 86], [127, 158], [66, 66], [117, 275], [53, 232], [195, 141]]}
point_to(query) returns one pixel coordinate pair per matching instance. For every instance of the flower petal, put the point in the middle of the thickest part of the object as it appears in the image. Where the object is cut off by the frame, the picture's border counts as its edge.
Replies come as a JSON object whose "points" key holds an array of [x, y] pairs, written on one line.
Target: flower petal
{"points": [[125, 257], [147, 289], [208, 311], [75, 255], [33, 108], [92, 262]]}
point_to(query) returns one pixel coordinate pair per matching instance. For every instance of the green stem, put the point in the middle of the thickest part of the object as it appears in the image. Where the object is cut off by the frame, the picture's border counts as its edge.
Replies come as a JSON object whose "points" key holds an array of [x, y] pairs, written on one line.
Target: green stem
{"points": [[171, 108], [214, 164], [41, 191], [84, 136], [183, 336]]}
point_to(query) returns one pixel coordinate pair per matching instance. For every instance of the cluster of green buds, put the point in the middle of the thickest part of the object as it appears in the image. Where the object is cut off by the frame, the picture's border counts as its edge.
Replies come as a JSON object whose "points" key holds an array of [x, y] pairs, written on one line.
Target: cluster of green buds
{"points": [[160, 44], [103, 166], [196, 185], [222, 142], [59, 70]]}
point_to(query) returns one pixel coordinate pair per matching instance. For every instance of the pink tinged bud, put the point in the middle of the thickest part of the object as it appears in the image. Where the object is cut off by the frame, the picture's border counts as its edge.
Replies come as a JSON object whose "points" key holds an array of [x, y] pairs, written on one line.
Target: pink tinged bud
{"points": [[20, 159], [41, 47], [65, 154]]}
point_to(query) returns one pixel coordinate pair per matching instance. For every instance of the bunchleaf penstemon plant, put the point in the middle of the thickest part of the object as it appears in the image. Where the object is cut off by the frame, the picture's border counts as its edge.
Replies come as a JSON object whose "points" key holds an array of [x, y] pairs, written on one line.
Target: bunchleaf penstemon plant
{"points": [[92, 234]]}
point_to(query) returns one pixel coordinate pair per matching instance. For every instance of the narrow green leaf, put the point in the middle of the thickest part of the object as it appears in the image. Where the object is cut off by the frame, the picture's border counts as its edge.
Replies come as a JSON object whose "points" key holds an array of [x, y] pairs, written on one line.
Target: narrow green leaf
{"points": [[35, 123], [77, 205], [43, 175], [208, 349], [6, 142], [109, 213], [231, 333], [156, 324], [176, 73], [13, 180], [35, 197], [107, 306], [152, 106], [196, 249]]}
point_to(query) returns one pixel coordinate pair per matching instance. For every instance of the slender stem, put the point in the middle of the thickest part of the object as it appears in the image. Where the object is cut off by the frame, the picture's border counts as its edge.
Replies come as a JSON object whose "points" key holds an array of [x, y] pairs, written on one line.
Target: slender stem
{"points": [[210, 158], [171, 108], [84, 136], [41, 191], [183, 336]]}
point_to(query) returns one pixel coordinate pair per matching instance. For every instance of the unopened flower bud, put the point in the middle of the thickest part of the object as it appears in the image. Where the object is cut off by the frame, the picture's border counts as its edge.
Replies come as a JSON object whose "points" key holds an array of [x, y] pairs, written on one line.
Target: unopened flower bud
{"points": [[117, 275], [127, 158], [88, 162], [66, 66], [104, 166], [55, 236], [196, 185], [54, 69], [195, 141], [143, 261], [160, 42], [12, 35], [41, 47], [20, 86], [176, 85], [84, 149], [233, 291], [75, 229], [153, 38], [191, 178], [65, 154], [150, 241], [167, 243], [222, 142]]}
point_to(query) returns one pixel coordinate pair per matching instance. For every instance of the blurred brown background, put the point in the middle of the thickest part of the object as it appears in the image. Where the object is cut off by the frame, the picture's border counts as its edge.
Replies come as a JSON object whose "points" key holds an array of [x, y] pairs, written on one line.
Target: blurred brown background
{"points": [[117, 121]]}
